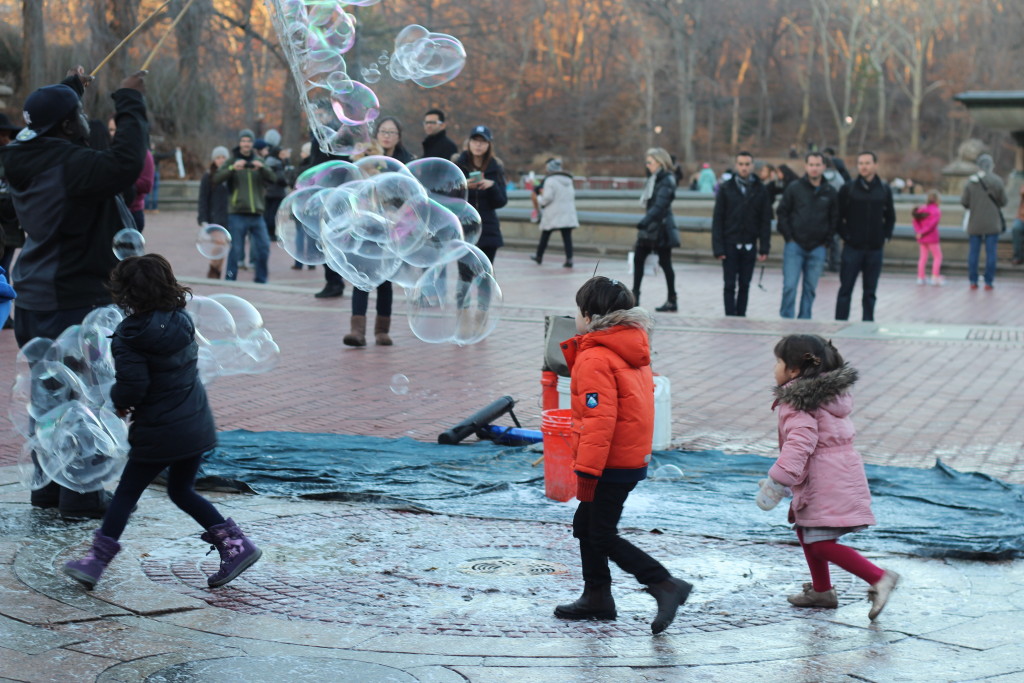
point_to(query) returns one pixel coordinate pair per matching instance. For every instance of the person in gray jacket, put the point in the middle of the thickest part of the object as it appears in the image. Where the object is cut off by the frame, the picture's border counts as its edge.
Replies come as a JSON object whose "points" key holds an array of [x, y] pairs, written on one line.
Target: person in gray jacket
{"points": [[557, 200], [984, 197], [808, 216]]}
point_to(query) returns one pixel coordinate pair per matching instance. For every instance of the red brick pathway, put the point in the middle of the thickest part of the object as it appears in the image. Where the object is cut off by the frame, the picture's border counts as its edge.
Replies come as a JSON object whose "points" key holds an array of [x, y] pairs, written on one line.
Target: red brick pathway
{"points": [[923, 395]]}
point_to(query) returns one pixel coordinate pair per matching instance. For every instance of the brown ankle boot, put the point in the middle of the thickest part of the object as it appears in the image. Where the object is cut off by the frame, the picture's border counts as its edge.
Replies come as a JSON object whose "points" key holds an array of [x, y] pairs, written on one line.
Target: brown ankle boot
{"points": [[357, 337], [381, 327]]}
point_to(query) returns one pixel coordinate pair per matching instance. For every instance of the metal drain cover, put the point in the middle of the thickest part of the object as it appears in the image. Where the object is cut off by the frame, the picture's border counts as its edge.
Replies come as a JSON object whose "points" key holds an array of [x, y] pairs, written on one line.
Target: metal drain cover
{"points": [[511, 566]]}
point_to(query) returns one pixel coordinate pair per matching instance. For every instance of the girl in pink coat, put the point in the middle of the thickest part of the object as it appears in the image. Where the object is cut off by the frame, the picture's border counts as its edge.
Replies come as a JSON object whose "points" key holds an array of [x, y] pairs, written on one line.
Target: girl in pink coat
{"points": [[926, 228], [818, 462]]}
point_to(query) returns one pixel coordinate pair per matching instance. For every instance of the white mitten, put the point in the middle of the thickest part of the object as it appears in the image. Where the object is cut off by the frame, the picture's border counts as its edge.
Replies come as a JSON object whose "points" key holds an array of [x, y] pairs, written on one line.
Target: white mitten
{"points": [[770, 494]]}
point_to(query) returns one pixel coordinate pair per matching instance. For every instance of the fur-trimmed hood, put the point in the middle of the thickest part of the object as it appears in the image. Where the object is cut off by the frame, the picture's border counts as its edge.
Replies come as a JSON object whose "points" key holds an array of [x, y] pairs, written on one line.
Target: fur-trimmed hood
{"points": [[633, 317], [825, 389]]}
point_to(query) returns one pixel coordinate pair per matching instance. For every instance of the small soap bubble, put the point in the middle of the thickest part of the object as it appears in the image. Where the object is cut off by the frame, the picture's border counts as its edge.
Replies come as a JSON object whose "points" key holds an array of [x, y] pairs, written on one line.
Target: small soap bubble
{"points": [[370, 74], [213, 241], [667, 473], [128, 242], [400, 384]]}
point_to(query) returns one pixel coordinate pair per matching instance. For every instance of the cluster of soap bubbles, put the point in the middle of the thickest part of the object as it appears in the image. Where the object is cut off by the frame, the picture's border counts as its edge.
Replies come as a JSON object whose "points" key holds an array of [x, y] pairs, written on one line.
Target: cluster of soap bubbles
{"points": [[213, 241], [128, 242], [377, 220], [60, 403], [425, 58], [231, 336], [315, 35]]}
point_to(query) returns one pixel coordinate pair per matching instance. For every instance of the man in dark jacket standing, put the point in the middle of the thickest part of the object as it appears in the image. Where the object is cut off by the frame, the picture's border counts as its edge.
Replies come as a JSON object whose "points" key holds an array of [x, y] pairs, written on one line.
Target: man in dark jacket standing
{"points": [[67, 198], [741, 231], [437, 143], [866, 220], [807, 218], [245, 174]]}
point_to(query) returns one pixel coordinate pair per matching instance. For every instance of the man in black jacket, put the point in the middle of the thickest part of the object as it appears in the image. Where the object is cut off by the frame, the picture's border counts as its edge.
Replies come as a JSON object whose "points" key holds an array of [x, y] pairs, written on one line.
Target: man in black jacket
{"points": [[866, 220], [808, 216], [437, 143], [67, 197], [741, 231]]}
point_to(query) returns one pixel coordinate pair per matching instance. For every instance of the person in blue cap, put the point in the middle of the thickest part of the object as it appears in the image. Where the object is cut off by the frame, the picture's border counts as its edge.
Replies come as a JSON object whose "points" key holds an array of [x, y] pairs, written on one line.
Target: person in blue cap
{"points": [[486, 176], [67, 199]]}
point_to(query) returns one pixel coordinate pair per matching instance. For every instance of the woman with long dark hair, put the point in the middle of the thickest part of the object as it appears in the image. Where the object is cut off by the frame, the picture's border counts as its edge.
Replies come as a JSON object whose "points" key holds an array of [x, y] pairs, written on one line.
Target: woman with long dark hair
{"points": [[387, 139], [486, 176]]}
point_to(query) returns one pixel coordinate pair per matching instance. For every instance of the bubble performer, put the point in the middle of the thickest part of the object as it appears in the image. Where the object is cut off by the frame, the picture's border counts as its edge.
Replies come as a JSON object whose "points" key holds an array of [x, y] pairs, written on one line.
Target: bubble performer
{"points": [[613, 423], [157, 385], [67, 199], [818, 462]]}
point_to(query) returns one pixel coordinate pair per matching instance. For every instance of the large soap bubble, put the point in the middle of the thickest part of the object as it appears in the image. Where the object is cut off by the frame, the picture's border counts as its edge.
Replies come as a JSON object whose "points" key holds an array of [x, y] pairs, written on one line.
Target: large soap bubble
{"points": [[79, 448], [213, 241], [128, 242], [440, 177], [231, 336], [354, 104], [428, 59], [459, 301]]}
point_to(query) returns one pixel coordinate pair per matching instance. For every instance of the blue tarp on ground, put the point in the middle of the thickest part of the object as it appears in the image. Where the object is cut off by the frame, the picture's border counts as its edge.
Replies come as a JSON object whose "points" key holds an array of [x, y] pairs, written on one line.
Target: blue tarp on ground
{"points": [[935, 512]]}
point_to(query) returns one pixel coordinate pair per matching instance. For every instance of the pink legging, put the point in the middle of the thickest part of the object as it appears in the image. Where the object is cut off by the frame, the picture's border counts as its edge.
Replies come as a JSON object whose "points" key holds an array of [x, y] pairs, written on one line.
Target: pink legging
{"points": [[819, 554], [922, 259]]}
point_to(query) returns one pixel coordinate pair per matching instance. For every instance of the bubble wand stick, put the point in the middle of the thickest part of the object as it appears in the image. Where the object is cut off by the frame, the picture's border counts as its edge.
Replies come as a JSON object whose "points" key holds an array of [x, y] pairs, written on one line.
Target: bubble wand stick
{"points": [[145, 64], [129, 37]]}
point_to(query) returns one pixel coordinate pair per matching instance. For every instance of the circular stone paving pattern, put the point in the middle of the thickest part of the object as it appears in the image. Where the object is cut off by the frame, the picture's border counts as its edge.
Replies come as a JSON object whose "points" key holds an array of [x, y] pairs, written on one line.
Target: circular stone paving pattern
{"points": [[404, 572]]}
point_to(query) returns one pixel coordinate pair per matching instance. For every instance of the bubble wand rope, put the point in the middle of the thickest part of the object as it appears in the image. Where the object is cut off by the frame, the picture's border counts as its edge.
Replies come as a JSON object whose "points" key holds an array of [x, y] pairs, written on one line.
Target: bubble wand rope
{"points": [[145, 64], [129, 37]]}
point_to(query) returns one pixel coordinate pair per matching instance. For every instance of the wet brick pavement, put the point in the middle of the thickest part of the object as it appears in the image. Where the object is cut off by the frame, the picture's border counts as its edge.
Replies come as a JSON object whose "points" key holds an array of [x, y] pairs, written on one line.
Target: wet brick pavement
{"points": [[372, 593]]}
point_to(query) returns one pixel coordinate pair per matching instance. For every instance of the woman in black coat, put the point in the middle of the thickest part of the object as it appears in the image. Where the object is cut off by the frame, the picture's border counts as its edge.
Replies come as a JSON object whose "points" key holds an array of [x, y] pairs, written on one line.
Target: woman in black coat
{"points": [[213, 204], [486, 187], [656, 231]]}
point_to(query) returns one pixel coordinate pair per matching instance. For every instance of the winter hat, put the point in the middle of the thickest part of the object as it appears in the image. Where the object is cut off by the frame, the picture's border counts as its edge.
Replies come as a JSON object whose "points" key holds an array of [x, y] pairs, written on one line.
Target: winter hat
{"points": [[554, 165], [45, 108], [246, 133], [985, 163], [220, 151], [260, 144], [272, 137]]}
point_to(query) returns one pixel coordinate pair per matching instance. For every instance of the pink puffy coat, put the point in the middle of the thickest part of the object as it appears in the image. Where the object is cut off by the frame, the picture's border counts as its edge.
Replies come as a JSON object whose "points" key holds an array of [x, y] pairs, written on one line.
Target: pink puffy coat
{"points": [[817, 458]]}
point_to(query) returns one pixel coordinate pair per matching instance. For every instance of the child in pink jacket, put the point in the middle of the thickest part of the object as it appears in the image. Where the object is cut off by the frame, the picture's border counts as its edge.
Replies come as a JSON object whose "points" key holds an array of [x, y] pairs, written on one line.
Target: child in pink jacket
{"points": [[926, 228], [818, 462]]}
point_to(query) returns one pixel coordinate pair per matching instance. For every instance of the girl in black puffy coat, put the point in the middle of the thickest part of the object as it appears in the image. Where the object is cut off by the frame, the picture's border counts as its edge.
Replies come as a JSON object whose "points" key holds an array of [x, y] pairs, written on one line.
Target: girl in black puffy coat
{"points": [[656, 231], [157, 384]]}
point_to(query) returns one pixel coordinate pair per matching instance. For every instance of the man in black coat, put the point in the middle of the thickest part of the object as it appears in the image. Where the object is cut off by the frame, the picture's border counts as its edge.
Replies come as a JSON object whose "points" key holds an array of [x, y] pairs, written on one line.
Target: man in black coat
{"points": [[437, 143], [741, 231], [866, 220], [807, 219], [67, 197]]}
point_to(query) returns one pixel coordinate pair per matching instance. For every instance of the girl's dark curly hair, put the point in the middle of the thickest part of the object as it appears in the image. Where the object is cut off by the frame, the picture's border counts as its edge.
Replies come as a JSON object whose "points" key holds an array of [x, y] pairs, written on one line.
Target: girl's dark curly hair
{"points": [[810, 354], [139, 284]]}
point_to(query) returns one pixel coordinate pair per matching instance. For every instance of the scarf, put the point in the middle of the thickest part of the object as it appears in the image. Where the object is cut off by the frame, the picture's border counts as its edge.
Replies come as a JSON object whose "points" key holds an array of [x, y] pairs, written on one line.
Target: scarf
{"points": [[648, 192]]}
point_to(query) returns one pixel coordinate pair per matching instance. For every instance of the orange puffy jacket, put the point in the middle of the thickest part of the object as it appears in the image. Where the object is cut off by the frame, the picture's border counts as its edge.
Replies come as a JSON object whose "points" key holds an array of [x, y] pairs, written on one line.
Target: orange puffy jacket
{"points": [[612, 397]]}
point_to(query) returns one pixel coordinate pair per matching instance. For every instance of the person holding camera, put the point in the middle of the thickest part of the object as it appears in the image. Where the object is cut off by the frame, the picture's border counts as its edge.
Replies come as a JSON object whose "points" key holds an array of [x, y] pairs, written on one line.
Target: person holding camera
{"points": [[246, 175]]}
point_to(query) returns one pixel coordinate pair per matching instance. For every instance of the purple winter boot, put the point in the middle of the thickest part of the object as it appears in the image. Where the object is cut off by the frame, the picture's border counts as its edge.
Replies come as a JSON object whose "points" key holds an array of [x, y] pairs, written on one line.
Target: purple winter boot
{"points": [[237, 553], [87, 570]]}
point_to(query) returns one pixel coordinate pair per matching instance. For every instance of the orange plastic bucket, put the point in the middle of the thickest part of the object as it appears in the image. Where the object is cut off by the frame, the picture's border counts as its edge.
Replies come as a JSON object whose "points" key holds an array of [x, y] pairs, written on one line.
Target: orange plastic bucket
{"points": [[559, 479]]}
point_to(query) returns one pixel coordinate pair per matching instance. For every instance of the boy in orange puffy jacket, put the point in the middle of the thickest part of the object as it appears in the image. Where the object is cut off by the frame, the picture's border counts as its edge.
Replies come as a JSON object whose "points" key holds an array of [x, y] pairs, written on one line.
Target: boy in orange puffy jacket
{"points": [[612, 428]]}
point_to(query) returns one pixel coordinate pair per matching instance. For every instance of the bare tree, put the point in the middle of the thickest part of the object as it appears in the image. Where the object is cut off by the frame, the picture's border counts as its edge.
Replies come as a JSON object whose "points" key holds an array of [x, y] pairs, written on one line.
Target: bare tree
{"points": [[33, 47]]}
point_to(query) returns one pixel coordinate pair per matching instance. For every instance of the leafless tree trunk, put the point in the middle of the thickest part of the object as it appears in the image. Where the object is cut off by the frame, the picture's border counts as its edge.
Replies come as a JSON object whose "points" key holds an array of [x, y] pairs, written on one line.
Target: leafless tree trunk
{"points": [[842, 43], [33, 49]]}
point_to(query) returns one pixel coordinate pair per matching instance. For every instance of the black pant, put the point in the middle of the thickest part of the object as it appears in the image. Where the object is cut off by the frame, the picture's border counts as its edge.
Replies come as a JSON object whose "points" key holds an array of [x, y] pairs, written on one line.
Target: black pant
{"points": [[640, 254], [545, 235], [596, 526], [489, 252], [140, 219], [361, 300], [181, 477], [332, 278], [854, 262], [738, 269]]}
